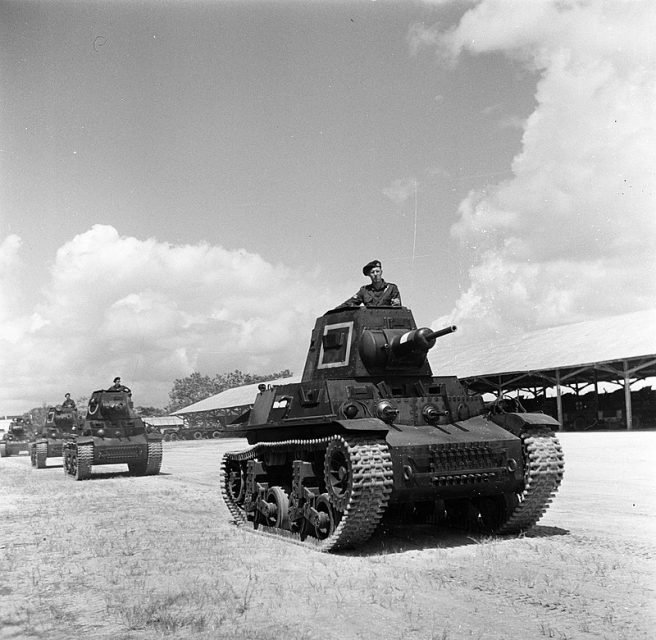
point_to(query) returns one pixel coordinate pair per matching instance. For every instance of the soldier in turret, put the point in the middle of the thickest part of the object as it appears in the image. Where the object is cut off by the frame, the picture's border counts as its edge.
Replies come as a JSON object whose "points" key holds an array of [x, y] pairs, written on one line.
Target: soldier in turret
{"points": [[68, 402], [117, 386], [377, 294]]}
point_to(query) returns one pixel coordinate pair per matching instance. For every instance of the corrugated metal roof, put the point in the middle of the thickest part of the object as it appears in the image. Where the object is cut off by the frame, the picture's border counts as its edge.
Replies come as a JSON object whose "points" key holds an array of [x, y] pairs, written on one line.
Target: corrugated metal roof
{"points": [[163, 421], [614, 338], [235, 397]]}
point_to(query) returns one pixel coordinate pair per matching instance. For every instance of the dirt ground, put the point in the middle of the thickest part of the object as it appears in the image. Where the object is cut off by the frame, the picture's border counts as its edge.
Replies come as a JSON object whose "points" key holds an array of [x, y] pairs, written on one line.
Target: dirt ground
{"points": [[157, 557]]}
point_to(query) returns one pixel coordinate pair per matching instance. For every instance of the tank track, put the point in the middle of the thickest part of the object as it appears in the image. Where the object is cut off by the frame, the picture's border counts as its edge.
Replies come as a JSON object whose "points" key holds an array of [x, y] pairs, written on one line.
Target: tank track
{"points": [[154, 458], [77, 461], [544, 471], [40, 455], [84, 461], [368, 494]]}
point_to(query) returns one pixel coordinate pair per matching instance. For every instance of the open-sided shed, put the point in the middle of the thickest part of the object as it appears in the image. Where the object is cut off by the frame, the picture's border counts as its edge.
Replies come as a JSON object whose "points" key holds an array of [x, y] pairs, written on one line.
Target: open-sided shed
{"points": [[620, 350]]}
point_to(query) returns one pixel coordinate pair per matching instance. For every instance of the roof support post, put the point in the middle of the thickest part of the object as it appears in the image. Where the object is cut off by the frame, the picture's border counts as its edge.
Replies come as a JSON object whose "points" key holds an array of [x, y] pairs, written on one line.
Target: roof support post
{"points": [[627, 397], [559, 402]]}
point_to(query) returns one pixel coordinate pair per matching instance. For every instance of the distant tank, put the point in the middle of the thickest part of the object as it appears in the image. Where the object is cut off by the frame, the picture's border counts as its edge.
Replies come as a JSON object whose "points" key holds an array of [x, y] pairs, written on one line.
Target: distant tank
{"points": [[370, 430], [112, 433], [61, 424], [17, 438]]}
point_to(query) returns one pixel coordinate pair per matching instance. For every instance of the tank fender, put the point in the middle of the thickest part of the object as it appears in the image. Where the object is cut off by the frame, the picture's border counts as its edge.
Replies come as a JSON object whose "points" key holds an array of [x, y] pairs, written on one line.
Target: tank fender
{"points": [[518, 423], [364, 424]]}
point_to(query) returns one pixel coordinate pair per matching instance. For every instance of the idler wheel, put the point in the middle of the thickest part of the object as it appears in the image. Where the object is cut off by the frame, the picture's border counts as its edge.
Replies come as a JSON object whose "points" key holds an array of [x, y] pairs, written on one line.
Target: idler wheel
{"points": [[338, 473]]}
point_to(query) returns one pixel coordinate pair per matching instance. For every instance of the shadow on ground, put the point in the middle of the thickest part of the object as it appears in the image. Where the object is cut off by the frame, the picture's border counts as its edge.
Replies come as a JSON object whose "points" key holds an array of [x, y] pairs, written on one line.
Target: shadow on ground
{"points": [[400, 538]]}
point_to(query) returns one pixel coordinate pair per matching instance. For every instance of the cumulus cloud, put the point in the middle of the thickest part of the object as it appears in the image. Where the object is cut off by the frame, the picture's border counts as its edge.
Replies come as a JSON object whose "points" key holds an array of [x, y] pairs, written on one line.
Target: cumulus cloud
{"points": [[571, 235], [151, 312]]}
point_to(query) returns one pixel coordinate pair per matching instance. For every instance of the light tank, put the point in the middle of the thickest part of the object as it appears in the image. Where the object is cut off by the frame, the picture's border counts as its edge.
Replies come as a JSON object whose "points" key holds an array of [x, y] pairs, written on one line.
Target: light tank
{"points": [[370, 430], [61, 424], [17, 438], [112, 433]]}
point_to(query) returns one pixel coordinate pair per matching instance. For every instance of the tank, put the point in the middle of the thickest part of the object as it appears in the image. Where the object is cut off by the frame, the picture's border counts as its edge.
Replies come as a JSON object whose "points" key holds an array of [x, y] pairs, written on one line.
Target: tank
{"points": [[112, 433], [370, 431], [61, 424], [17, 438]]}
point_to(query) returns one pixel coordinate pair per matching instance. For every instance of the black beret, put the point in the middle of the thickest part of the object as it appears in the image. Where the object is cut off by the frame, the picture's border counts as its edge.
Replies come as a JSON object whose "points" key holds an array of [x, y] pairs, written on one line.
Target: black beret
{"points": [[116, 378], [370, 265]]}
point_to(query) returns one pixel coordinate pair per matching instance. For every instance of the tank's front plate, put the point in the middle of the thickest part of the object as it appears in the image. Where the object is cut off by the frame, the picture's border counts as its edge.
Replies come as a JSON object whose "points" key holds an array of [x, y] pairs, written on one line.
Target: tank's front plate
{"points": [[468, 458]]}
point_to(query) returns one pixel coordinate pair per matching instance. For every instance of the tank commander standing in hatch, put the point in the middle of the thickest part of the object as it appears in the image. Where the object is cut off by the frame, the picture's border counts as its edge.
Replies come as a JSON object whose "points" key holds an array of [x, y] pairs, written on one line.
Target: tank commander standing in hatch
{"points": [[377, 294], [68, 402], [117, 386]]}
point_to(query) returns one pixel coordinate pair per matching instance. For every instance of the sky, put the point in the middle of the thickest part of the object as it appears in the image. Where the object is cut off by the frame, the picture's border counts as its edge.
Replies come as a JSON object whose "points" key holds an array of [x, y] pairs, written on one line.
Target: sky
{"points": [[185, 186]]}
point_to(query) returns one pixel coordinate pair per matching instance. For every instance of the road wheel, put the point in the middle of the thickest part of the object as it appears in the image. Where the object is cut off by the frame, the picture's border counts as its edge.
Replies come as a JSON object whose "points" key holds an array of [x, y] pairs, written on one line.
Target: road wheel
{"points": [[325, 520], [279, 517]]}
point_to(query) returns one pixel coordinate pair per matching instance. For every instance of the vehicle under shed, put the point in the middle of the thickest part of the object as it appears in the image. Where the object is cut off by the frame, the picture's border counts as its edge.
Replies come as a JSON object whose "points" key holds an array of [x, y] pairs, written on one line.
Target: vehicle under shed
{"points": [[567, 371]]}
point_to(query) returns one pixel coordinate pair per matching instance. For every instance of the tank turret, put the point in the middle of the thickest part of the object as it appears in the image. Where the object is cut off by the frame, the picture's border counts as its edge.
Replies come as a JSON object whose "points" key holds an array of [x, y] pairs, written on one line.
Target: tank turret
{"points": [[370, 429]]}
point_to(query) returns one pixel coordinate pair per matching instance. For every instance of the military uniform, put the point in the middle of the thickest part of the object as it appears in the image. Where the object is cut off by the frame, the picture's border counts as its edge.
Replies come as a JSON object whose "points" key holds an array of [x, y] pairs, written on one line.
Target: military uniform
{"points": [[386, 295], [117, 386], [380, 294]]}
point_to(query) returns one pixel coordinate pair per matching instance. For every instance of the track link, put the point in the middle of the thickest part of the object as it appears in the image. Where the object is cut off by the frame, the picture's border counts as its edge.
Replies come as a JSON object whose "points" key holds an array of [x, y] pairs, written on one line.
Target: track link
{"points": [[369, 491], [154, 458], [544, 472], [40, 454], [84, 461]]}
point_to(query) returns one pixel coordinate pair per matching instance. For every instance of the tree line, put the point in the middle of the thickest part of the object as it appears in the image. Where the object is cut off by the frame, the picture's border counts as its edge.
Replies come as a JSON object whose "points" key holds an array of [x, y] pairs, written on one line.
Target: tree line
{"points": [[196, 387]]}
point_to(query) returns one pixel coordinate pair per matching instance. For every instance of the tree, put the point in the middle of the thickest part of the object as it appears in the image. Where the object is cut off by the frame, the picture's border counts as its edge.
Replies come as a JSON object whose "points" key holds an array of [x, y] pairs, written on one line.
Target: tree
{"points": [[197, 387]]}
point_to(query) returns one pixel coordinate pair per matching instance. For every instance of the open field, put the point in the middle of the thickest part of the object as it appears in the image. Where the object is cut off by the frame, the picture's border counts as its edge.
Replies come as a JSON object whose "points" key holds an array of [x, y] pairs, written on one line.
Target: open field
{"points": [[123, 557]]}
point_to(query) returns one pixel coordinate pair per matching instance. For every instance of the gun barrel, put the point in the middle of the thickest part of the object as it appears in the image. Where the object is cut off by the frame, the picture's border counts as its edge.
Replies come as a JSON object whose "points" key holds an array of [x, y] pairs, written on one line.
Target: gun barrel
{"points": [[442, 332]]}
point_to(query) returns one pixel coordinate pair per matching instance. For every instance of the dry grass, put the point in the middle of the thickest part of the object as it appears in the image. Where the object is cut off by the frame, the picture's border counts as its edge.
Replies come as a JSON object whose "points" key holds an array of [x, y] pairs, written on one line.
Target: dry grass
{"points": [[156, 557]]}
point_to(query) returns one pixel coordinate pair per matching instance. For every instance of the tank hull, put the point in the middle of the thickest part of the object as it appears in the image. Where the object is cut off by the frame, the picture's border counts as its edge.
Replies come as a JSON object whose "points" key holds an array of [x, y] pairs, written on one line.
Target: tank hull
{"points": [[142, 454]]}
